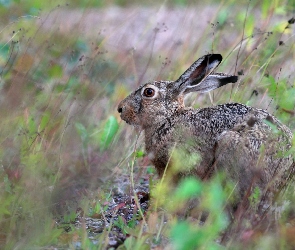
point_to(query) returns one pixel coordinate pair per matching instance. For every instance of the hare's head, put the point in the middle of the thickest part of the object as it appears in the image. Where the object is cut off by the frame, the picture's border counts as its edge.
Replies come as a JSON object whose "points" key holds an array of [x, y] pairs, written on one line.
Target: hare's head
{"points": [[155, 101]]}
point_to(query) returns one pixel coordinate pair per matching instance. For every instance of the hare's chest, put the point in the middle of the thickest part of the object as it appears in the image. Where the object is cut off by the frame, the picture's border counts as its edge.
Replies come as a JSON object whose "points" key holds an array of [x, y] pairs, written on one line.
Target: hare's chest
{"points": [[178, 146]]}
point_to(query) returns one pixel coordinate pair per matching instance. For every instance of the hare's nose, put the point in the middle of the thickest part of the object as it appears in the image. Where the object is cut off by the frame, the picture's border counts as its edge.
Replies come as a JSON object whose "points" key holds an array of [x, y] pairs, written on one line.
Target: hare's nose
{"points": [[120, 108]]}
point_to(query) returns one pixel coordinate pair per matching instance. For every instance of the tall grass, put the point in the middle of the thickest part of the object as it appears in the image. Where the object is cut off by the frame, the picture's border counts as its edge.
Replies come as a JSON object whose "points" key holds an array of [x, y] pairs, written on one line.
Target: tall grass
{"points": [[63, 145]]}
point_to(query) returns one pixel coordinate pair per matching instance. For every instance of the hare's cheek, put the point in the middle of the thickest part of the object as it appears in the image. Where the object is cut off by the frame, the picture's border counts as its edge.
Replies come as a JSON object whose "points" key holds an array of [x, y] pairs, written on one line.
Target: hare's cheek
{"points": [[129, 117]]}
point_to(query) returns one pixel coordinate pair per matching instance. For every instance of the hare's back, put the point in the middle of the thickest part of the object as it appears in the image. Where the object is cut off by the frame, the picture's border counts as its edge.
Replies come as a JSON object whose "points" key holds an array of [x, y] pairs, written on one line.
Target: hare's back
{"points": [[238, 117], [253, 147]]}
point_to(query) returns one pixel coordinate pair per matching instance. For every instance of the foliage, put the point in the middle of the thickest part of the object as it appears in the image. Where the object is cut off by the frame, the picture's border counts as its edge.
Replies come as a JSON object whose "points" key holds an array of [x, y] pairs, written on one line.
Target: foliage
{"points": [[62, 142], [185, 235]]}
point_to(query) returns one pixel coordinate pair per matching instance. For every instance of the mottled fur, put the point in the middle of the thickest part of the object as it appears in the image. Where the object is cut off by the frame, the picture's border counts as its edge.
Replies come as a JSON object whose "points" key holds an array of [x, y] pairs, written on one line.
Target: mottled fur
{"points": [[247, 143]]}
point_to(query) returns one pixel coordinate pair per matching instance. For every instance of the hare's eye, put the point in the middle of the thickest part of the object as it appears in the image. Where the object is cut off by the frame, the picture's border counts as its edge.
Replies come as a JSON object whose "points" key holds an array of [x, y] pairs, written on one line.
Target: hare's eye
{"points": [[149, 92]]}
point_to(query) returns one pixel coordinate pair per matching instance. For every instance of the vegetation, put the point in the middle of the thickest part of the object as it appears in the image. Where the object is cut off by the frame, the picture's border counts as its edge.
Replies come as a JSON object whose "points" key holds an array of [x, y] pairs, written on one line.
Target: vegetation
{"points": [[64, 150]]}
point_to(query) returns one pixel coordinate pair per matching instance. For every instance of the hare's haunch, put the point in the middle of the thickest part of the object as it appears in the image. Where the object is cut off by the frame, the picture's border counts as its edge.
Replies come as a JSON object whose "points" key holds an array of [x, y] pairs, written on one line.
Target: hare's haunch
{"points": [[249, 144]]}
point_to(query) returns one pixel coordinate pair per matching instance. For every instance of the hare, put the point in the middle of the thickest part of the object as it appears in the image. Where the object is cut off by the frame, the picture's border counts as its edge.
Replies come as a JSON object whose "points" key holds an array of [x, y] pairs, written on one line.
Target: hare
{"points": [[248, 143]]}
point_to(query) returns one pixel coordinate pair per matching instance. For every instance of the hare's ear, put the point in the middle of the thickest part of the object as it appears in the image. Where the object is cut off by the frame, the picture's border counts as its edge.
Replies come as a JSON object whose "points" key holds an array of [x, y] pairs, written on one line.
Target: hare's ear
{"points": [[199, 76], [199, 70], [211, 82]]}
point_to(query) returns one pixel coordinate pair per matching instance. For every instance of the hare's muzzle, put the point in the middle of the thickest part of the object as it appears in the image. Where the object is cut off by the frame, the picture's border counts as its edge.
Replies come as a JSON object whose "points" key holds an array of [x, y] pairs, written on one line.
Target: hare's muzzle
{"points": [[122, 110], [127, 112], [121, 107]]}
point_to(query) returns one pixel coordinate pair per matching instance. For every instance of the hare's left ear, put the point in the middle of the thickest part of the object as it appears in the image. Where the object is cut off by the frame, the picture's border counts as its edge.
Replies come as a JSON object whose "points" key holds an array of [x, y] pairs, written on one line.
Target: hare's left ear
{"points": [[211, 82], [199, 77]]}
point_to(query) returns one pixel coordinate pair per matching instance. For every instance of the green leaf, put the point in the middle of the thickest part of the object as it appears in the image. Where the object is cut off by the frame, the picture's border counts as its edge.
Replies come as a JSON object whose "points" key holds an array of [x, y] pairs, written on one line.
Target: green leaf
{"points": [[287, 100], [108, 133], [282, 94], [215, 196], [32, 126], [250, 24], [134, 242], [132, 223], [72, 84], [7, 184], [265, 7], [44, 121], [151, 170], [4, 50], [82, 131], [222, 16], [254, 197], [55, 71], [188, 188], [139, 154], [185, 237]]}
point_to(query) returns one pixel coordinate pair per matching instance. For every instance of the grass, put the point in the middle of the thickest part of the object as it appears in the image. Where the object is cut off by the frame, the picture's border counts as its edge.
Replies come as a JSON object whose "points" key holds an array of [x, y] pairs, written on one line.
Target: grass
{"points": [[63, 145]]}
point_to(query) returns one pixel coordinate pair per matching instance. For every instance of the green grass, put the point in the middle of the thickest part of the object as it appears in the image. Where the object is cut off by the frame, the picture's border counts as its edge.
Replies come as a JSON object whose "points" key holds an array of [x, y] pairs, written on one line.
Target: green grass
{"points": [[63, 143]]}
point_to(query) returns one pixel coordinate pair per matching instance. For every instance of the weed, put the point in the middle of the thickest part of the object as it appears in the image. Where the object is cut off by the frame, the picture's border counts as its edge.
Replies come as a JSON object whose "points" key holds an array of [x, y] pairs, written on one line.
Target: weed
{"points": [[65, 154]]}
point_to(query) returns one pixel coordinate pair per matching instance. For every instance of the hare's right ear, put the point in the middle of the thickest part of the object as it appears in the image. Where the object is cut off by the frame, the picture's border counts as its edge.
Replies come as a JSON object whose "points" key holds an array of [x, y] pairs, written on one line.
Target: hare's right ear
{"points": [[198, 77]]}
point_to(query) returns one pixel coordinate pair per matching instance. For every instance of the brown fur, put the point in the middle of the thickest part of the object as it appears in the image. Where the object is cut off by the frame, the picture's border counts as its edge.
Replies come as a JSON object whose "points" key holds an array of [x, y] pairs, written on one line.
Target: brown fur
{"points": [[231, 137]]}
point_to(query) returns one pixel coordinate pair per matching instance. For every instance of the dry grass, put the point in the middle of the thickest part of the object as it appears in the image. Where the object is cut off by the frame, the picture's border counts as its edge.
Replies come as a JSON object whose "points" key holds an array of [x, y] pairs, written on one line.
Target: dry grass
{"points": [[63, 74]]}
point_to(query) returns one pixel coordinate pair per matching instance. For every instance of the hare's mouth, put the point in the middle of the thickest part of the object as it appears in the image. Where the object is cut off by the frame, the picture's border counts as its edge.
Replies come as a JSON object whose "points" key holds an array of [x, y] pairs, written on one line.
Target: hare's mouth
{"points": [[128, 122], [128, 119]]}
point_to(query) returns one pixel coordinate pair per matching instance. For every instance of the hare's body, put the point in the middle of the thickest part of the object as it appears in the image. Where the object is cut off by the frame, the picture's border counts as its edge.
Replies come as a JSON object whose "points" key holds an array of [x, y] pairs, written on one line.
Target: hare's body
{"points": [[247, 143], [228, 137]]}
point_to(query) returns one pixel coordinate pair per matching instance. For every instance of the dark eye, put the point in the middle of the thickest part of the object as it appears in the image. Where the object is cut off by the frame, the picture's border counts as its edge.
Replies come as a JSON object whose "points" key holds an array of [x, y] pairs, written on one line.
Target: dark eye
{"points": [[149, 92]]}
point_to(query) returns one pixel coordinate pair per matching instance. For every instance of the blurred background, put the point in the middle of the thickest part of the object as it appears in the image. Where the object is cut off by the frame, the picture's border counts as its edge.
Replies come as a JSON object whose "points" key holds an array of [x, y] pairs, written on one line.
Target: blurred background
{"points": [[65, 66]]}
